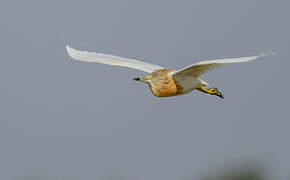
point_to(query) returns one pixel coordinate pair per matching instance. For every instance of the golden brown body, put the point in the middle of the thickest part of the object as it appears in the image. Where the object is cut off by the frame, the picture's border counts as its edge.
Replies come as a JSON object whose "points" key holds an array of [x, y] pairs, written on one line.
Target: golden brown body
{"points": [[162, 83]]}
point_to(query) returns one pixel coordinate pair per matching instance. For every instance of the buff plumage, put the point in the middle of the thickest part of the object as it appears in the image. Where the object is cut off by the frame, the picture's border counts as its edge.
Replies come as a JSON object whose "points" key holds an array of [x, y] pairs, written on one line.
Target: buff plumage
{"points": [[165, 82]]}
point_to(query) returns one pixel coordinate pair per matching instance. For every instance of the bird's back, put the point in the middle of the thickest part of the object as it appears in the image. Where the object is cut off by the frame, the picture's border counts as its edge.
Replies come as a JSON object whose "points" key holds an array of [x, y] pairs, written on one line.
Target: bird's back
{"points": [[164, 85]]}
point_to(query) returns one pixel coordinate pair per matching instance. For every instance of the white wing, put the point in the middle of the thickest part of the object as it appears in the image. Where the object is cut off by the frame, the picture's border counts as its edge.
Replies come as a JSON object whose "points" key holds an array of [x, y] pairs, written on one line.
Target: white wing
{"points": [[199, 68], [111, 60]]}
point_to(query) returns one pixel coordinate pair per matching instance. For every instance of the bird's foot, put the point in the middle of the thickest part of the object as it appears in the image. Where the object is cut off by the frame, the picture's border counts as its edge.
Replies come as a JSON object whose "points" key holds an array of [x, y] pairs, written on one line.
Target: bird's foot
{"points": [[216, 92], [212, 91]]}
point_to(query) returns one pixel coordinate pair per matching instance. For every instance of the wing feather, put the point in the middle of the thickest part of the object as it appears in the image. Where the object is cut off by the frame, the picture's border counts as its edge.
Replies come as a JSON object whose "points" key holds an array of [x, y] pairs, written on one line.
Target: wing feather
{"points": [[111, 60], [202, 67]]}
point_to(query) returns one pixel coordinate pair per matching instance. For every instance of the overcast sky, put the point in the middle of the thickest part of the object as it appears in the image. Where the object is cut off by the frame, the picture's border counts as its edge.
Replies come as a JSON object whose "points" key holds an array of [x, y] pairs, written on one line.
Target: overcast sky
{"points": [[66, 120]]}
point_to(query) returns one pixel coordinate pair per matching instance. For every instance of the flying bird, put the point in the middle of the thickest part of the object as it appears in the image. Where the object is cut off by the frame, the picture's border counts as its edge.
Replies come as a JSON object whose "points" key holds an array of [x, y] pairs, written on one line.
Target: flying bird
{"points": [[165, 82]]}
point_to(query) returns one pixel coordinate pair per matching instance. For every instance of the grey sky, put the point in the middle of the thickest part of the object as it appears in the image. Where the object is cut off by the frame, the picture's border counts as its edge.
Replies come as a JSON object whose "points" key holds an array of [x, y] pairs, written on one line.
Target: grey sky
{"points": [[63, 119]]}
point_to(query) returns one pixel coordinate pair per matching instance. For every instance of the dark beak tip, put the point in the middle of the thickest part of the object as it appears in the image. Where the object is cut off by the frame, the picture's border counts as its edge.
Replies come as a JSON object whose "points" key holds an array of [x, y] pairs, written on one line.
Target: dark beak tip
{"points": [[136, 79]]}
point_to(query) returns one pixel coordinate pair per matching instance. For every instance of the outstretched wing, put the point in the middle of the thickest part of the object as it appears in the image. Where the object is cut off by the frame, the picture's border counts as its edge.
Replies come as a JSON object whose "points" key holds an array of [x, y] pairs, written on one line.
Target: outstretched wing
{"points": [[111, 60], [200, 68]]}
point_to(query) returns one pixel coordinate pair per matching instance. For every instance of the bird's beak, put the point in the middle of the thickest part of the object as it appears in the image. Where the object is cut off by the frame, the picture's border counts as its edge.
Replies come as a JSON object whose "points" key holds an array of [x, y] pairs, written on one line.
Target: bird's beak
{"points": [[145, 79]]}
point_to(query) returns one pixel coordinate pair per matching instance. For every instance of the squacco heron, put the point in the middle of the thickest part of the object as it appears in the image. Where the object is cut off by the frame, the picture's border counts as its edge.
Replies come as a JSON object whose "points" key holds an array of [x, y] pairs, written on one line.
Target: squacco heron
{"points": [[165, 82]]}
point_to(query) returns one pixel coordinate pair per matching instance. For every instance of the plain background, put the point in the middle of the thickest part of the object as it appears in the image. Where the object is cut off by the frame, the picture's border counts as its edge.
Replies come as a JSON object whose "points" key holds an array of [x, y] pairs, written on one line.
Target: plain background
{"points": [[68, 120]]}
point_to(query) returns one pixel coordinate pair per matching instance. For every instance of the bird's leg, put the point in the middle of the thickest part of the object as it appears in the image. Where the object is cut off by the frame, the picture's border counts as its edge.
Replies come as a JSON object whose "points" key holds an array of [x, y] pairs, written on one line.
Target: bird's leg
{"points": [[208, 91], [212, 91]]}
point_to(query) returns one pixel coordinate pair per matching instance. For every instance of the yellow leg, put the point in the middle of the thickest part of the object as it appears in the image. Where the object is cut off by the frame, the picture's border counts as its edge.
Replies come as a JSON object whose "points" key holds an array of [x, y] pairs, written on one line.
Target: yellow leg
{"points": [[208, 91], [212, 91]]}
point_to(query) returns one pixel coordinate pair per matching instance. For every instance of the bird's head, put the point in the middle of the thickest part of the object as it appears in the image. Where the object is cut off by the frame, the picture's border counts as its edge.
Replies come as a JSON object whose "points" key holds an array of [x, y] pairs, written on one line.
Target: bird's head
{"points": [[147, 79]]}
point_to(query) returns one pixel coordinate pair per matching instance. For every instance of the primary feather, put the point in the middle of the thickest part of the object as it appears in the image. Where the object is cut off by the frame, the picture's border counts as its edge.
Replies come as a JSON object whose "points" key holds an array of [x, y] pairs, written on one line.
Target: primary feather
{"points": [[202, 67], [111, 60]]}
